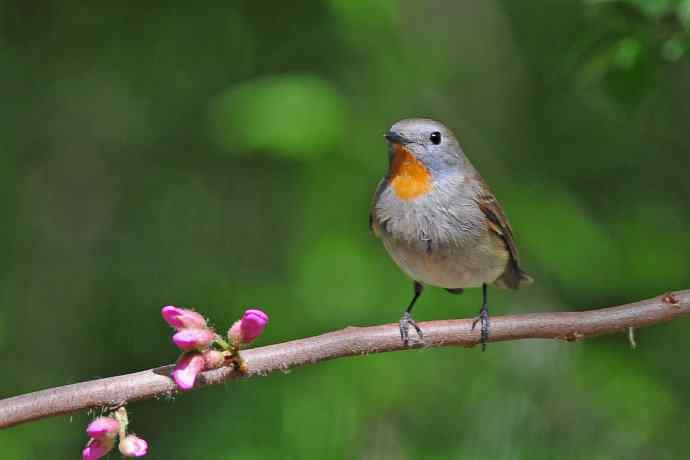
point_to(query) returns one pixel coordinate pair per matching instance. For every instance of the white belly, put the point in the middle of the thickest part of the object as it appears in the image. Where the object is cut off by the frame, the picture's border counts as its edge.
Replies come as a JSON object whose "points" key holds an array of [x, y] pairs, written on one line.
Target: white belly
{"points": [[450, 266]]}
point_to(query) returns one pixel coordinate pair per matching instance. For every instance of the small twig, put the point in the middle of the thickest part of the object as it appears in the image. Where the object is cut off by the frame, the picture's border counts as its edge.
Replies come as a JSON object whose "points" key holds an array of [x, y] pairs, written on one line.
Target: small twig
{"points": [[631, 338], [350, 341]]}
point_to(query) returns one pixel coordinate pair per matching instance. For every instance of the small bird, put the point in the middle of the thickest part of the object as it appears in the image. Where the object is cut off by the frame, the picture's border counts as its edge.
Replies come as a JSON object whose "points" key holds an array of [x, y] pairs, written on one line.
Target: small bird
{"points": [[439, 221]]}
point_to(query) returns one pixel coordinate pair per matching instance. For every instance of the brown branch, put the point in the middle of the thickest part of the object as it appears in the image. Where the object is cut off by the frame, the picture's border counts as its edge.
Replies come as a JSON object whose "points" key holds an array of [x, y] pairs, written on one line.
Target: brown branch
{"points": [[350, 341]]}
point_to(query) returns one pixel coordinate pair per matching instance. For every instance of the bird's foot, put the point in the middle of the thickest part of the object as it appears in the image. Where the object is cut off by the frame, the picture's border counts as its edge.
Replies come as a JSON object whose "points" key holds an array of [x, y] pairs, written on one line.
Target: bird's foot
{"points": [[483, 318], [405, 322]]}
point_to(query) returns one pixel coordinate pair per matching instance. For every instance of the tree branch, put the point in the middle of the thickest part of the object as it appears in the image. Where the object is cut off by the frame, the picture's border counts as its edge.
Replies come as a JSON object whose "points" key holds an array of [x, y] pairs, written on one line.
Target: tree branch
{"points": [[570, 326]]}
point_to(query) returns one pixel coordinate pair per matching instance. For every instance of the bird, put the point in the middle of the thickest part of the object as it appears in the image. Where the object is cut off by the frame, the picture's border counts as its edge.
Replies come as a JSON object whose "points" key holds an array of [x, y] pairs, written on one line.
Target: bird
{"points": [[439, 221]]}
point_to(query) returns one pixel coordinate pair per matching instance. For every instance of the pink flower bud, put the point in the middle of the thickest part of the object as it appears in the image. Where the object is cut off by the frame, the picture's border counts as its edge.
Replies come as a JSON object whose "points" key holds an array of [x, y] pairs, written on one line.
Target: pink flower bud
{"points": [[193, 339], [133, 446], [181, 318], [235, 332], [186, 370], [97, 448], [251, 326], [102, 427], [213, 359]]}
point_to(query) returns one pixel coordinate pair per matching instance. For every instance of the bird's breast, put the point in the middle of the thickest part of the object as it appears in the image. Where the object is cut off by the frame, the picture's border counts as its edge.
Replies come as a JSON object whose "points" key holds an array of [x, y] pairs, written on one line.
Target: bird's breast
{"points": [[408, 176], [441, 238]]}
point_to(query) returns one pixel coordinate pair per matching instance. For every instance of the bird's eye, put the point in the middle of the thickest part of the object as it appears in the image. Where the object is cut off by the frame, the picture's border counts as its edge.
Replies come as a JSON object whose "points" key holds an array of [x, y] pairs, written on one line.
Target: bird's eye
{"points": [[435, 138]]}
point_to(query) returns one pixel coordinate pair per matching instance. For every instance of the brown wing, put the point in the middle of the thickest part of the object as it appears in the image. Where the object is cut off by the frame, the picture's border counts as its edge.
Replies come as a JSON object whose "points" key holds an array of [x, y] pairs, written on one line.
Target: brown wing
{"points": [[513, 277]]}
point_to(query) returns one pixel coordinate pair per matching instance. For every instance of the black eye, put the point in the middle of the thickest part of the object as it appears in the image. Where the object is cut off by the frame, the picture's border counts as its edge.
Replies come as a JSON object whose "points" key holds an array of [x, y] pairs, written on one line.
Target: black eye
{"points": [[435, 138]]}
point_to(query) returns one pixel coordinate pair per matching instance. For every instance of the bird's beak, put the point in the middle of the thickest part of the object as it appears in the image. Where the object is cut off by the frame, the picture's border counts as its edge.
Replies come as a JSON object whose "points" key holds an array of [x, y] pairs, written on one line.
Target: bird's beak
{"points": [[395, 138]]}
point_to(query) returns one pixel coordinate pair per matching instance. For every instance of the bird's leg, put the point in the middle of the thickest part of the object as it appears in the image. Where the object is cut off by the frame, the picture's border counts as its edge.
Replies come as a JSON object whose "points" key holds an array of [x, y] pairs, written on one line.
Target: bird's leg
{"points": [[406, 321], [484, 319]]}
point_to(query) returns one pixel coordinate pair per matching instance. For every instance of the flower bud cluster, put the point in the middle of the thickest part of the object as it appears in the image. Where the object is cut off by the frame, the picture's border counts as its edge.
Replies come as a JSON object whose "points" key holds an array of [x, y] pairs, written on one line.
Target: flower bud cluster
{"points": [[199, 345], [104, 431], [197, 340]]}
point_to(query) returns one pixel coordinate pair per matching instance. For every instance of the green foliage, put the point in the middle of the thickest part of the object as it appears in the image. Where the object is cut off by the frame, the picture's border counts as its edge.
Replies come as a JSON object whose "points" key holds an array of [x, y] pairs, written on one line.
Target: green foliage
{"points": [[365, 13], [225, 156], [630, 37], [683, 12], [292, 115]]}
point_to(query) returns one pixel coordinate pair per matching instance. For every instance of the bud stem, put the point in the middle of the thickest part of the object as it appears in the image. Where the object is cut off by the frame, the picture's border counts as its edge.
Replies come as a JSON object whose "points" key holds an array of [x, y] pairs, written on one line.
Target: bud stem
{"points": [[222, 342]]}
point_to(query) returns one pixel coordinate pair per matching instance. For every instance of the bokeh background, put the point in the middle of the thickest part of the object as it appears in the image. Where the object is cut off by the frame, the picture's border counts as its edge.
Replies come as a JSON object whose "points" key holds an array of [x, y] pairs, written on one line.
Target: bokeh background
{"points": [[224, 155]]}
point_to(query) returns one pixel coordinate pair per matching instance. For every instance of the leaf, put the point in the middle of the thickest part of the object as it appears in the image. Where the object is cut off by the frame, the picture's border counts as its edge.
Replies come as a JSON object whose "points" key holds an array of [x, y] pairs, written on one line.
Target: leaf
{"points": [[683, 13], [674, 49], [296, 116], [653, 8], [627, 53]]}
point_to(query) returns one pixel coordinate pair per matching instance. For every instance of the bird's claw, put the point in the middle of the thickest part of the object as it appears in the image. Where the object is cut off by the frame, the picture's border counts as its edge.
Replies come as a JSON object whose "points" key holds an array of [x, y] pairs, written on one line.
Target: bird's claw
{"points": [[483, 318], [405, 322]]}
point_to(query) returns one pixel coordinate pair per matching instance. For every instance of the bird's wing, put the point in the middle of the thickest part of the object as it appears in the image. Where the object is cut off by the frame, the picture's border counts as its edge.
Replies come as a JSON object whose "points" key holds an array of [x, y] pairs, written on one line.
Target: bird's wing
{"points": [[498, 223]]}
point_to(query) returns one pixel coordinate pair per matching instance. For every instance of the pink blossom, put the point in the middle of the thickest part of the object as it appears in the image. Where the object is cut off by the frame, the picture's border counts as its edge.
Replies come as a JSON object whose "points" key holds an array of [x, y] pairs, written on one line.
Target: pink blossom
{"points": [[186, 370], [181, 318], [133, 446], [97, 448], [213, 359], [251, 326], [103, 426], [192, 339], [235, 333]]}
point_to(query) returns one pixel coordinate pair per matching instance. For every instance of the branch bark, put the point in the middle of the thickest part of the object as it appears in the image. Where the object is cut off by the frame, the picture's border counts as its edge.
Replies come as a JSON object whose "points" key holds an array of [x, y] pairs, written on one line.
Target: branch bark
{"points": [[569, 326]]}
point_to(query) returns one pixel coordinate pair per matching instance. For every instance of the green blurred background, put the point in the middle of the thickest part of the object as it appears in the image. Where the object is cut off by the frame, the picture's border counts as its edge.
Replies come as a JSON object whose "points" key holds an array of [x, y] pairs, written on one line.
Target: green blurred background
{"points": [[223, 156]]}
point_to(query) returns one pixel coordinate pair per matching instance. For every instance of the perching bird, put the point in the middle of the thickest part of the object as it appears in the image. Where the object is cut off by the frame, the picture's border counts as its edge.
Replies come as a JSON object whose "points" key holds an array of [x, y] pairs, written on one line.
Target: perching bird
{"points": [[439, 221]]}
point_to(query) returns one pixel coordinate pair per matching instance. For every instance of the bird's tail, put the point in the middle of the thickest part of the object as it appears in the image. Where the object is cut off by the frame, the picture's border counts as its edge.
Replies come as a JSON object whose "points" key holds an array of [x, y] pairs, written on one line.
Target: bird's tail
{"points": [[514, 278]]}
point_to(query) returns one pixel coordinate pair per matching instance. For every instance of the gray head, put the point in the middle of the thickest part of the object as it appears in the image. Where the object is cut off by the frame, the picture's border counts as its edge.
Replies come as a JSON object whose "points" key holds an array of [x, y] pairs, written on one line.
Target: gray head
{"points": [[430, 142]]}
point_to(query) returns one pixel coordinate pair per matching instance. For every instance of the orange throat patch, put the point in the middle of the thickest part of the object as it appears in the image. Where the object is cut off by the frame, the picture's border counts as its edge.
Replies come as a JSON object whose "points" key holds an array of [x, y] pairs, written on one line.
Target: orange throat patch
{"points": [[409, 177]]}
